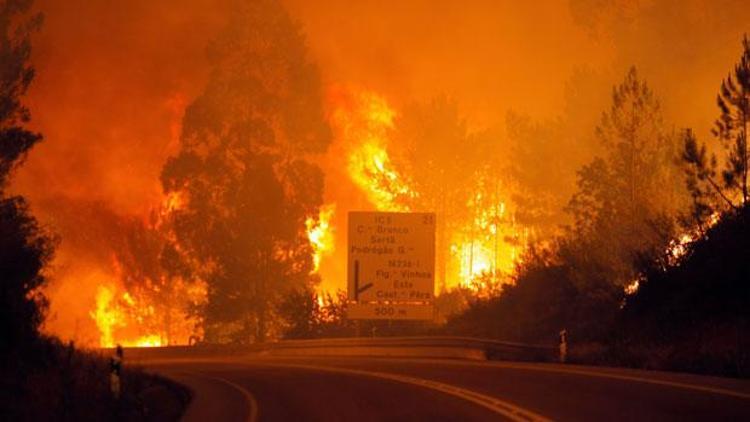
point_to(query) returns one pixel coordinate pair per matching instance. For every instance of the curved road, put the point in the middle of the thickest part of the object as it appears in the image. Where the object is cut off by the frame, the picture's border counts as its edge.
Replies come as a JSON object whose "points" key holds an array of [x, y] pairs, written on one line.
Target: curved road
{"points": [[377, 389]]}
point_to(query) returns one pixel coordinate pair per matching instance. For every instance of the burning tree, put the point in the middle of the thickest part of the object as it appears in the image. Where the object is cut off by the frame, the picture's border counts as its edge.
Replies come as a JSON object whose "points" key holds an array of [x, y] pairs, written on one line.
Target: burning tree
{"points": [[242, 171], [729, 191], [425, 158], [435, 154], [451, 173]]}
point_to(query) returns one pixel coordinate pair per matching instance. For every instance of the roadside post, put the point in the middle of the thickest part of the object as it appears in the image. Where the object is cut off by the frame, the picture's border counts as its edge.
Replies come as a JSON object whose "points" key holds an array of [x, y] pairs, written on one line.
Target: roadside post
{"points": [[563, 345], [115, 371]]}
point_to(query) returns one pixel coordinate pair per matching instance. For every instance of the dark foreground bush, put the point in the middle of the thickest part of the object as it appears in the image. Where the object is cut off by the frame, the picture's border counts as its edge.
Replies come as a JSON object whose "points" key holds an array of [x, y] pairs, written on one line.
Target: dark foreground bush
{"points": [[50, 381], [694, 316]]}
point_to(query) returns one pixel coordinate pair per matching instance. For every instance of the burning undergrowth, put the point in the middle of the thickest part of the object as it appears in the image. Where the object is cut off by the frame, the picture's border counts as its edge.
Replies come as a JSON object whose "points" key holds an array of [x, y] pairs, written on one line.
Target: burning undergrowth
{"points": [[111, 283]]}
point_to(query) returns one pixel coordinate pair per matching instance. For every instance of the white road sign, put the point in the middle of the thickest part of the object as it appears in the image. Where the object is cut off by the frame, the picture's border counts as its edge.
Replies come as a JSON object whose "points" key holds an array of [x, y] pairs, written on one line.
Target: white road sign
{"points": [[391, 260]]}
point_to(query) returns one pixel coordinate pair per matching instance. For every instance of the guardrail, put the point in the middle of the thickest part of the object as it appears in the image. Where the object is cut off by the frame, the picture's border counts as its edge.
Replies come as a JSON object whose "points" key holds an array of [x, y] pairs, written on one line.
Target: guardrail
{"points": [[423, 346], [454, 347]]}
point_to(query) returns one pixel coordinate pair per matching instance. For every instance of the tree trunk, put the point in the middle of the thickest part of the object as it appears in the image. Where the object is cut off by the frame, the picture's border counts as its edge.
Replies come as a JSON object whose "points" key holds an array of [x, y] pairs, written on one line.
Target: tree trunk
{"points": [[744, 155], [442, 256]]}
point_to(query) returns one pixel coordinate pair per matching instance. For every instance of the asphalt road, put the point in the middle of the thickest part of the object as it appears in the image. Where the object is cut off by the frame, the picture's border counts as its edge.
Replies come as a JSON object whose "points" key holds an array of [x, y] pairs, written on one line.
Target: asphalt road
{"points": [[390, 389]]}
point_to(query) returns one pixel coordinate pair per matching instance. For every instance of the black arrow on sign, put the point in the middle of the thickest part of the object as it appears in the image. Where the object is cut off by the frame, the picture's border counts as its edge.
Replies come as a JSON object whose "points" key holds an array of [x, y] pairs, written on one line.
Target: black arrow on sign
{"points": [[357, 289]]}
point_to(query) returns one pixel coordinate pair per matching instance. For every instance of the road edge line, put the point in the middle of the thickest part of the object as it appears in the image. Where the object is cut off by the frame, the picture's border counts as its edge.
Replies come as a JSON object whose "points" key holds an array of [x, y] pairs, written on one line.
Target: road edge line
{"points": [[674, 384], [575, 370], [252, 402]]}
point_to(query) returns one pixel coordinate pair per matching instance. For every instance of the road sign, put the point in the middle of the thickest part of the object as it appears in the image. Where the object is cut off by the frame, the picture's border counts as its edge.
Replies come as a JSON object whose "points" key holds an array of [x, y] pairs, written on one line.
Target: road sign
{"points": [[391, 260], [390, 311]]}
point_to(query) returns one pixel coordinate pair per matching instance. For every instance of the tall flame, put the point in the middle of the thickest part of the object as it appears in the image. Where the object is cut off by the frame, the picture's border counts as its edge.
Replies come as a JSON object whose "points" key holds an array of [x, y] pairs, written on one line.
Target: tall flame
{"points": [[320, 234], [364, 123], [105, 316]]}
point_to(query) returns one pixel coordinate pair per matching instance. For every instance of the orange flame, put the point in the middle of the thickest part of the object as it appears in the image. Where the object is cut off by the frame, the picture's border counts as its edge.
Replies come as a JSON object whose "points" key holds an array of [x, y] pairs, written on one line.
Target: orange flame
{"points": [[487, 247], [320, 234], [485, 242], [109, 316], [147, 316], [105, 316], [678, 247], [364, 124]]}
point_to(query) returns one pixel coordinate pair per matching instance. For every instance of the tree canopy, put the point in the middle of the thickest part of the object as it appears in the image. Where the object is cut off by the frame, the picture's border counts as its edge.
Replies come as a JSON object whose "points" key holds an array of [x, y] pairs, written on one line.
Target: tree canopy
{"points": [[628, 199], [243, 171], [715, 188]]}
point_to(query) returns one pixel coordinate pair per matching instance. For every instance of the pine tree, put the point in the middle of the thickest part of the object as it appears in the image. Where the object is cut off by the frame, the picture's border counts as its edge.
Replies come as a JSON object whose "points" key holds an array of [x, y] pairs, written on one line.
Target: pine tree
{"points": [[717, 189], [623, 194]]}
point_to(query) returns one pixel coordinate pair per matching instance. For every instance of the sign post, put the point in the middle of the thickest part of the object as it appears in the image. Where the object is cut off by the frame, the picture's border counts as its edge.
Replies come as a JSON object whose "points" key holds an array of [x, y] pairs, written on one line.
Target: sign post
{"points": [[391, 265]]}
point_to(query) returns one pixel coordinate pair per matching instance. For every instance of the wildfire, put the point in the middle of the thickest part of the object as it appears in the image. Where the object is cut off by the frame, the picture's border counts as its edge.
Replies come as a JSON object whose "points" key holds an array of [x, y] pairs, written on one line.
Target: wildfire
{"points": [[678, 247], [132, 321], [110, 316], [152, 310], [320, 234], [363, 123], [486, 247], [481, 244], [105, 316]]}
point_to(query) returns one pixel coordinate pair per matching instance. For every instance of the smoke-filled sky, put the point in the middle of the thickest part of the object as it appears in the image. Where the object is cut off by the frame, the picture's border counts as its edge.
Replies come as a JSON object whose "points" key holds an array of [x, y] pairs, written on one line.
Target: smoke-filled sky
{"points": [[113, 78], [490, 55], [112, 82]]}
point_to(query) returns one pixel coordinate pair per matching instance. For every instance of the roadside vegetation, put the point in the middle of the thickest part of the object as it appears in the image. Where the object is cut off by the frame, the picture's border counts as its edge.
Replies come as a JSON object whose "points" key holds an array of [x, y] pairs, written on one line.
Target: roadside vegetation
{"points": [[653, 271], [52, 381]]}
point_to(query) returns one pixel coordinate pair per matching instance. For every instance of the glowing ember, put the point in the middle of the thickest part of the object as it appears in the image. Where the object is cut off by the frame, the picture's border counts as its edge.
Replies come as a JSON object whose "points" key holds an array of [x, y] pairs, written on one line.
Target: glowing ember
{"points": [[632, 287], [173, 201]]}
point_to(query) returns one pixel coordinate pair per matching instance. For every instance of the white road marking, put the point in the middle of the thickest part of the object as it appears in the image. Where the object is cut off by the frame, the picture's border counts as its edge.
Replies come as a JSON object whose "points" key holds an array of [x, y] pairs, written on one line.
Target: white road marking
{"points": [[579, 371], [509, 410], [251, 402], [588, 372]]}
